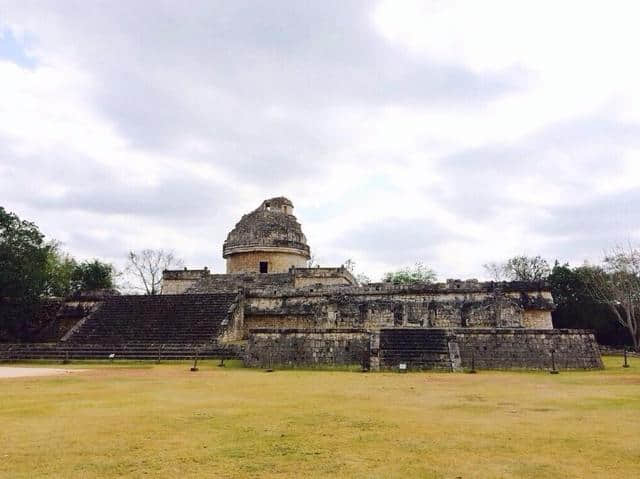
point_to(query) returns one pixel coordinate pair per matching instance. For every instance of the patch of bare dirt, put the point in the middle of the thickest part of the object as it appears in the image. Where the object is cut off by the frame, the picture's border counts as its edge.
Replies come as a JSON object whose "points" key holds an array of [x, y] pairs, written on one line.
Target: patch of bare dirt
{"points": [[13, 372]]}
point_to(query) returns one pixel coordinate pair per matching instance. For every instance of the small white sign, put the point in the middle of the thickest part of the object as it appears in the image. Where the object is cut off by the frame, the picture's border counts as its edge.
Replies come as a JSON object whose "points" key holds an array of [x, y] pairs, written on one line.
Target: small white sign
{"points": [[402, 366]]}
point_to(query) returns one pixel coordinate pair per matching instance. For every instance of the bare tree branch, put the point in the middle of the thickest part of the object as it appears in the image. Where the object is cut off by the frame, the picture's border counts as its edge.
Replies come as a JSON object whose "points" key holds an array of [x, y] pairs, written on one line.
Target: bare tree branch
{"points": [[617, 284], [147, 266], [495, 271]]}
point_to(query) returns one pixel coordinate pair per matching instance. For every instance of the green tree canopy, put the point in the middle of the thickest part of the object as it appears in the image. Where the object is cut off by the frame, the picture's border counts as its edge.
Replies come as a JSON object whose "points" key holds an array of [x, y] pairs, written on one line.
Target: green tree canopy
{"points": [[31, 268], [92, 275], [577, 309], [24, 258], [60, 271], [518, 268], [419, 273]]}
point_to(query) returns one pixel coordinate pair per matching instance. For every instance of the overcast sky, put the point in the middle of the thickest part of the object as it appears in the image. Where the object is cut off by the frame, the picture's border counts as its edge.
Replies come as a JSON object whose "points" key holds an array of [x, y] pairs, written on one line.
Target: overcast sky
{"points": [[449, 132]]}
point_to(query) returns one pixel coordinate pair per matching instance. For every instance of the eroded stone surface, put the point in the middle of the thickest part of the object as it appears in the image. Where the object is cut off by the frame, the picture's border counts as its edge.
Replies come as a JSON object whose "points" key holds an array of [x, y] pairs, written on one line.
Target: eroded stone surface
{"points": [[270, 235], [288, 313]]}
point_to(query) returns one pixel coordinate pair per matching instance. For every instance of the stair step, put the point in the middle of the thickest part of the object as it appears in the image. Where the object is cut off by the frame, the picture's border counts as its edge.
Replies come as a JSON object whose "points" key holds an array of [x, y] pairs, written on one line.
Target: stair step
{"points": [[156, 319], [417, 348]]}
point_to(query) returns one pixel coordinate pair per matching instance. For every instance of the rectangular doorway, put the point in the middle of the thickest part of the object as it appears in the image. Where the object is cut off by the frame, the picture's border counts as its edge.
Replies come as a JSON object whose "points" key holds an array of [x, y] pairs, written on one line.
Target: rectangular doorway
{"points": [[264, 267]]}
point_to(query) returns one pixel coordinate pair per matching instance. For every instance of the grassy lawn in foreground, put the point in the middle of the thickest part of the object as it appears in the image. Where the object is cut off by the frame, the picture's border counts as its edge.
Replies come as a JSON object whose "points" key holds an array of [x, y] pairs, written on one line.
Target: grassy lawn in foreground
{"points": [[148, 420]]}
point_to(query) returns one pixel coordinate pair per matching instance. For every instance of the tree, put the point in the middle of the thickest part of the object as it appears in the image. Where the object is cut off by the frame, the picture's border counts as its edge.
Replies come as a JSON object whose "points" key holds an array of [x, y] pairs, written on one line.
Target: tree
{"points": [[92, 275], [617, 284], [526, 268], [66, 276], [495, 271], [361, 278], [31, 269], [419, 273], [24, 258], [147, 266], [312, 262], [577, 309], [61, 267], [24, 275], [350, 265]]}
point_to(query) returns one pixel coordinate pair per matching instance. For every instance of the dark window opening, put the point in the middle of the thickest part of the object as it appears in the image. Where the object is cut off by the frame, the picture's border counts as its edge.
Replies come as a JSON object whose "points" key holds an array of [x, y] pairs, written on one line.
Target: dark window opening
{"points": [[264, 267]]}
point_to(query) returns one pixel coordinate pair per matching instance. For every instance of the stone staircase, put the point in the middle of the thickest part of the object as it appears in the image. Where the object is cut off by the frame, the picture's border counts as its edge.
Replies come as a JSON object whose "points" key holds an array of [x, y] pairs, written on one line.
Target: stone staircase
{"points": [[165, 319], [417, 348], [132, 350], [141, 327], [141, 350]]}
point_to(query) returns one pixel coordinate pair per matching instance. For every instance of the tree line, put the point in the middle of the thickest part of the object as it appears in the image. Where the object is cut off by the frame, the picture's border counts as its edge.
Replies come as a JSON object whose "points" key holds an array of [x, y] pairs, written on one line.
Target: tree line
{"points": [[604, 297], [34, 270], [31, 267]]}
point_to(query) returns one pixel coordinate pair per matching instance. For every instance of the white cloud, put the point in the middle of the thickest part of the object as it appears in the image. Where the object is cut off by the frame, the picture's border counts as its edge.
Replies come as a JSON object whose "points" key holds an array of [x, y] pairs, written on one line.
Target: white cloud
{"points": [[477, 128]]}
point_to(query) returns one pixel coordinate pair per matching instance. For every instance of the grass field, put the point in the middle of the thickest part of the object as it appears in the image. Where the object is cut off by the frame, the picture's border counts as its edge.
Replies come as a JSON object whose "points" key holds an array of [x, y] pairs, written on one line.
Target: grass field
{"points": [[147, 420]]}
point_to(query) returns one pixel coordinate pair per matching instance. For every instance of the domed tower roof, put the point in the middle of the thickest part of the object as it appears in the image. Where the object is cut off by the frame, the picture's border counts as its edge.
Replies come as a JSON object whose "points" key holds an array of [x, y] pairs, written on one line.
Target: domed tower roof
{"points": [[270, 227]]}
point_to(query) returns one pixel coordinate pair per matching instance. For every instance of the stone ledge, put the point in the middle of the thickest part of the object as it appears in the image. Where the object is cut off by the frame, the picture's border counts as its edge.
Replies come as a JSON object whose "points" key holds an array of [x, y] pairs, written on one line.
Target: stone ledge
{"points": [[306, 331]]}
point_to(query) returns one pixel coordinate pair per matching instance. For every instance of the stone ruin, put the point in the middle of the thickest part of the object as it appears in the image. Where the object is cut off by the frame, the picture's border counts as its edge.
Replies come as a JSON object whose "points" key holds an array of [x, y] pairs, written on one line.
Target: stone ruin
{"points": [[270, 309], [295, 315]]}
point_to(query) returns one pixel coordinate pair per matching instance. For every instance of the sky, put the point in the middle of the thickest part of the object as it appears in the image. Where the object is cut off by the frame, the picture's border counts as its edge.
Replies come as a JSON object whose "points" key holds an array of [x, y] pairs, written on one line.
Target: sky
{"points": [[453, 133]]}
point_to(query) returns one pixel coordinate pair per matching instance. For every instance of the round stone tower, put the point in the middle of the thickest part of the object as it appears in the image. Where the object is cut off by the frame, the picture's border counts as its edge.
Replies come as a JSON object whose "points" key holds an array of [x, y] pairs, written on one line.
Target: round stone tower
{"points": [[267, 240]]}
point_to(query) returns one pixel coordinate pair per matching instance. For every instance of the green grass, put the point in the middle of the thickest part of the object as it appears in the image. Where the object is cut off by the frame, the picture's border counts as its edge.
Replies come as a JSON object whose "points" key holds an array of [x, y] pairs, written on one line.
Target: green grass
{"points": [[146, 420]]}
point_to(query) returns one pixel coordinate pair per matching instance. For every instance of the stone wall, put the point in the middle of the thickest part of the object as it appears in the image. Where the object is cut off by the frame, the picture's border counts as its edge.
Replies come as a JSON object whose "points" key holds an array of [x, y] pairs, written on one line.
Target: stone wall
{"points": [[278, 261], [450, 305], [527, 348], [448, 349], [179, 281], [290, 348], [313, 298], [177, 286], [270, 283], [537, 319], [232, 326], [305, 277], [265, 321], [218, 283]]}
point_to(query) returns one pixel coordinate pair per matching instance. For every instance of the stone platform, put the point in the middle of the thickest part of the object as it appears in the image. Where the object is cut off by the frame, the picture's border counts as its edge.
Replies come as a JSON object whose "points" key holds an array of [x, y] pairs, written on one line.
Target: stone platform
{"points": [[425, 348]]}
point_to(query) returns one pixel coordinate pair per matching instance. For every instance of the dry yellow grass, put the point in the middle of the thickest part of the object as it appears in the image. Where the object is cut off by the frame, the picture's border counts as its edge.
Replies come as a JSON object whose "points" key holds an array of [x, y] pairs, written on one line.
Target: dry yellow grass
{"points": [[164, 421]]}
